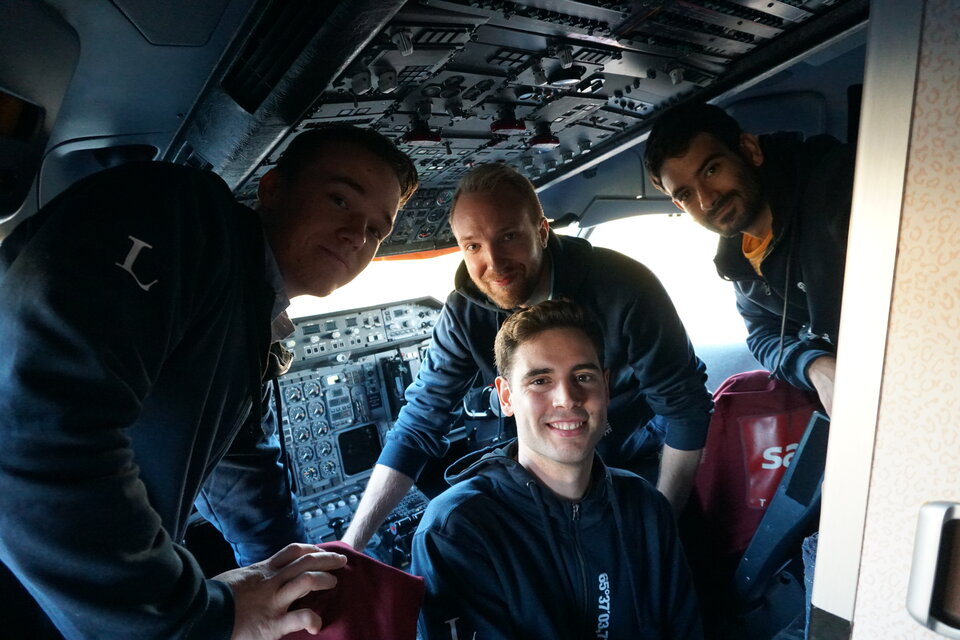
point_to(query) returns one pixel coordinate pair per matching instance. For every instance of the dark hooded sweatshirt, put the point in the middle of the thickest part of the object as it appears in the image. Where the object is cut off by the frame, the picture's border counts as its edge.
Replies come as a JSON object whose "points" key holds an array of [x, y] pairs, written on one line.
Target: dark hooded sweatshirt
{"points": [[135, 327], [809, 185], [503, 557]]}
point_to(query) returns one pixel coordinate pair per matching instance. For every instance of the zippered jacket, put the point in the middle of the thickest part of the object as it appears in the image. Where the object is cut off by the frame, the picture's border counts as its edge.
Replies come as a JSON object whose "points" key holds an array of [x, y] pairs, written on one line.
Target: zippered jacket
{"points": [[134, 323], [653, 368], [503, 557], [808, 185]]}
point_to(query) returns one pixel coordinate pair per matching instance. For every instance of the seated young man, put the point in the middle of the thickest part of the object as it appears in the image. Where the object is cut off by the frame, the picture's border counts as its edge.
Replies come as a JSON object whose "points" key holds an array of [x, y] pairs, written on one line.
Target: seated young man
{"points": [[539, 539]]}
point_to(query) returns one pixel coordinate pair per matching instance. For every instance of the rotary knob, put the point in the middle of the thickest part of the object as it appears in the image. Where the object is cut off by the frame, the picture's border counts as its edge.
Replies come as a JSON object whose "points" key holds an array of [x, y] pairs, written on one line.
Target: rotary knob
{"points": [[293, 393]]}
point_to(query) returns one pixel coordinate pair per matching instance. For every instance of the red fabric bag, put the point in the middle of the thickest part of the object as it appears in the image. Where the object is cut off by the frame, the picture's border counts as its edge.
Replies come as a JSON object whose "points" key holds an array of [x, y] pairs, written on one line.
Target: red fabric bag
{"points": [[756, 426], [372, 600]]}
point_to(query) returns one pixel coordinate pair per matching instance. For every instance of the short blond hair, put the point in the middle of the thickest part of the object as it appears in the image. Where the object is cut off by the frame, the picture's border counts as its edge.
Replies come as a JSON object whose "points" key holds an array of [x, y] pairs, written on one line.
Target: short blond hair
{"points": [[491, 177]]}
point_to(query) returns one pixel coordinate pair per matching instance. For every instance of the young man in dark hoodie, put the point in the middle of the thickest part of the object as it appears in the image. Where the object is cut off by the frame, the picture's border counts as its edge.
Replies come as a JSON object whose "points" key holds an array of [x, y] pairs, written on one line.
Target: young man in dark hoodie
{"points": [[539, 539], [782, 207]]}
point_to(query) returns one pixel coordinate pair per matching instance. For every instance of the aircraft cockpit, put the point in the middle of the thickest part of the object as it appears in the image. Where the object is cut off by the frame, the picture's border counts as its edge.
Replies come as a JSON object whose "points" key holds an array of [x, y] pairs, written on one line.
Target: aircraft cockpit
{"points": [[565, 94]]}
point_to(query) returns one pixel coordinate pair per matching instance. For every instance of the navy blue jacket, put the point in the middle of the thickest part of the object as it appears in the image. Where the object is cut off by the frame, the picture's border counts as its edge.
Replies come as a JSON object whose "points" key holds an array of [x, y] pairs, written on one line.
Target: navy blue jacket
{"points": [[808, 185], [653, 369], [135, 325], [503, 557]]}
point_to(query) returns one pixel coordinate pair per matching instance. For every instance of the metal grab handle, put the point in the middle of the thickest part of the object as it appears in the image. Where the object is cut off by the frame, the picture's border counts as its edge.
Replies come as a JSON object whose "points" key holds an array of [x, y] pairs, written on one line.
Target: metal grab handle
{"points": [[933, 595]]}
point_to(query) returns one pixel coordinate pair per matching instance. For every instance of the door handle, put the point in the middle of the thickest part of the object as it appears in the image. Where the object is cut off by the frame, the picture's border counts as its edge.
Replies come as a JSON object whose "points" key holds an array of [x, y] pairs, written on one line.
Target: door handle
{"points": [[933, 595]]}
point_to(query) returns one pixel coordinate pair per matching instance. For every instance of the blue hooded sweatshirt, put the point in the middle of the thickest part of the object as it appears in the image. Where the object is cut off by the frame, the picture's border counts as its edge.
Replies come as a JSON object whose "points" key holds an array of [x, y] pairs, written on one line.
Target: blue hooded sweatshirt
{"points": [[504, 557]]}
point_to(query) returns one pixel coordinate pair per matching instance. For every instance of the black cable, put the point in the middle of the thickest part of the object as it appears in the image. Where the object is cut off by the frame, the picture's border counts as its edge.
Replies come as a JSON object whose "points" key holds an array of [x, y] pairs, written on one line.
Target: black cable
{"points": [[284, 460], [783, 317]]}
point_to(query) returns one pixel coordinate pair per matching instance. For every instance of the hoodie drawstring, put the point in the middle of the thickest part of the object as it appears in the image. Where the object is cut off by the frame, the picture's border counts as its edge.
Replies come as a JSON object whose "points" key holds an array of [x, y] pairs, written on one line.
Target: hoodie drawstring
{"points": [[786, 297]]}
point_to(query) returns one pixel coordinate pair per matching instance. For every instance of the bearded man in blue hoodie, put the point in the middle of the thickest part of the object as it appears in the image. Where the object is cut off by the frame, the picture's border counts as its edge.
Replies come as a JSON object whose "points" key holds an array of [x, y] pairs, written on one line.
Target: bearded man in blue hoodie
{"points": [[781, 206], [540, 538]]}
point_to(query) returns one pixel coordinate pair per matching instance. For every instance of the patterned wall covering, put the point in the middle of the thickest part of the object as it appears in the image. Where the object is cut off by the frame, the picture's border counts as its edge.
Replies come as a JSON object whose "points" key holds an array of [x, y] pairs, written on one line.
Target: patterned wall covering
{"points": [[917, 454]]}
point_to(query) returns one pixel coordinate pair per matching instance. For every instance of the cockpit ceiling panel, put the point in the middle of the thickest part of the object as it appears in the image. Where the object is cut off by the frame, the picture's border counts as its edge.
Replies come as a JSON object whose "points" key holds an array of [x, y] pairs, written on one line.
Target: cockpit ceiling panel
{"points": [[544, 86]]}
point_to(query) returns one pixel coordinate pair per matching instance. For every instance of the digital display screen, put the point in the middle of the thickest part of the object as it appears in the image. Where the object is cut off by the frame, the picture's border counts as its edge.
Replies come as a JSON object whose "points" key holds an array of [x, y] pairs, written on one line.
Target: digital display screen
{"points": [[311, 328], [331, 325], [359, 448], [352, 321]]}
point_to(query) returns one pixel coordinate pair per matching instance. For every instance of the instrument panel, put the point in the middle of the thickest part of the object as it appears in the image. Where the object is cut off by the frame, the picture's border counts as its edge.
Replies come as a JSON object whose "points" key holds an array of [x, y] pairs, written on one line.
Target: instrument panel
{"points": [[339, 400], [338, 335]]}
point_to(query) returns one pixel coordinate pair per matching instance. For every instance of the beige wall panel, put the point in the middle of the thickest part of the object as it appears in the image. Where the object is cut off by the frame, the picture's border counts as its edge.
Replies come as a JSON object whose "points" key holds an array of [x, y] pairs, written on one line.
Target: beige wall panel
{"points": [[917, 453]]}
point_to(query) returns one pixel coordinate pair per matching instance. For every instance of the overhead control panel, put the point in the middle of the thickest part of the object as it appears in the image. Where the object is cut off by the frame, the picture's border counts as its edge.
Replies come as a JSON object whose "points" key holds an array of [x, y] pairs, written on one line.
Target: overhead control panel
{"points": [[546, 87], [340, 399]]}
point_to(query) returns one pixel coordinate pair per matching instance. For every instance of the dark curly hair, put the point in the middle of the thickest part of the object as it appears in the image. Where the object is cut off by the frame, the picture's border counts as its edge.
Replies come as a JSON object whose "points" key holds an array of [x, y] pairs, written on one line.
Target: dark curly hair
{"points": [[677, 126]]}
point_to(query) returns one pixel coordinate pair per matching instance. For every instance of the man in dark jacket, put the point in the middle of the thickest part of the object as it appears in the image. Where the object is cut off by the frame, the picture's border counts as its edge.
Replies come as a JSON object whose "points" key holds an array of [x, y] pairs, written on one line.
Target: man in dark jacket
{"points": [[137, 311], [782, 207], [511, 260], [540, 539]]}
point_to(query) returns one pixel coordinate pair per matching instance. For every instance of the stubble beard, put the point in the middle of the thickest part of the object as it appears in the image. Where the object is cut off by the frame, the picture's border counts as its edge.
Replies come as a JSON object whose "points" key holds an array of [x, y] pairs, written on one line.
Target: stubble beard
{"points": [[511, 297], [753, 202]]}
